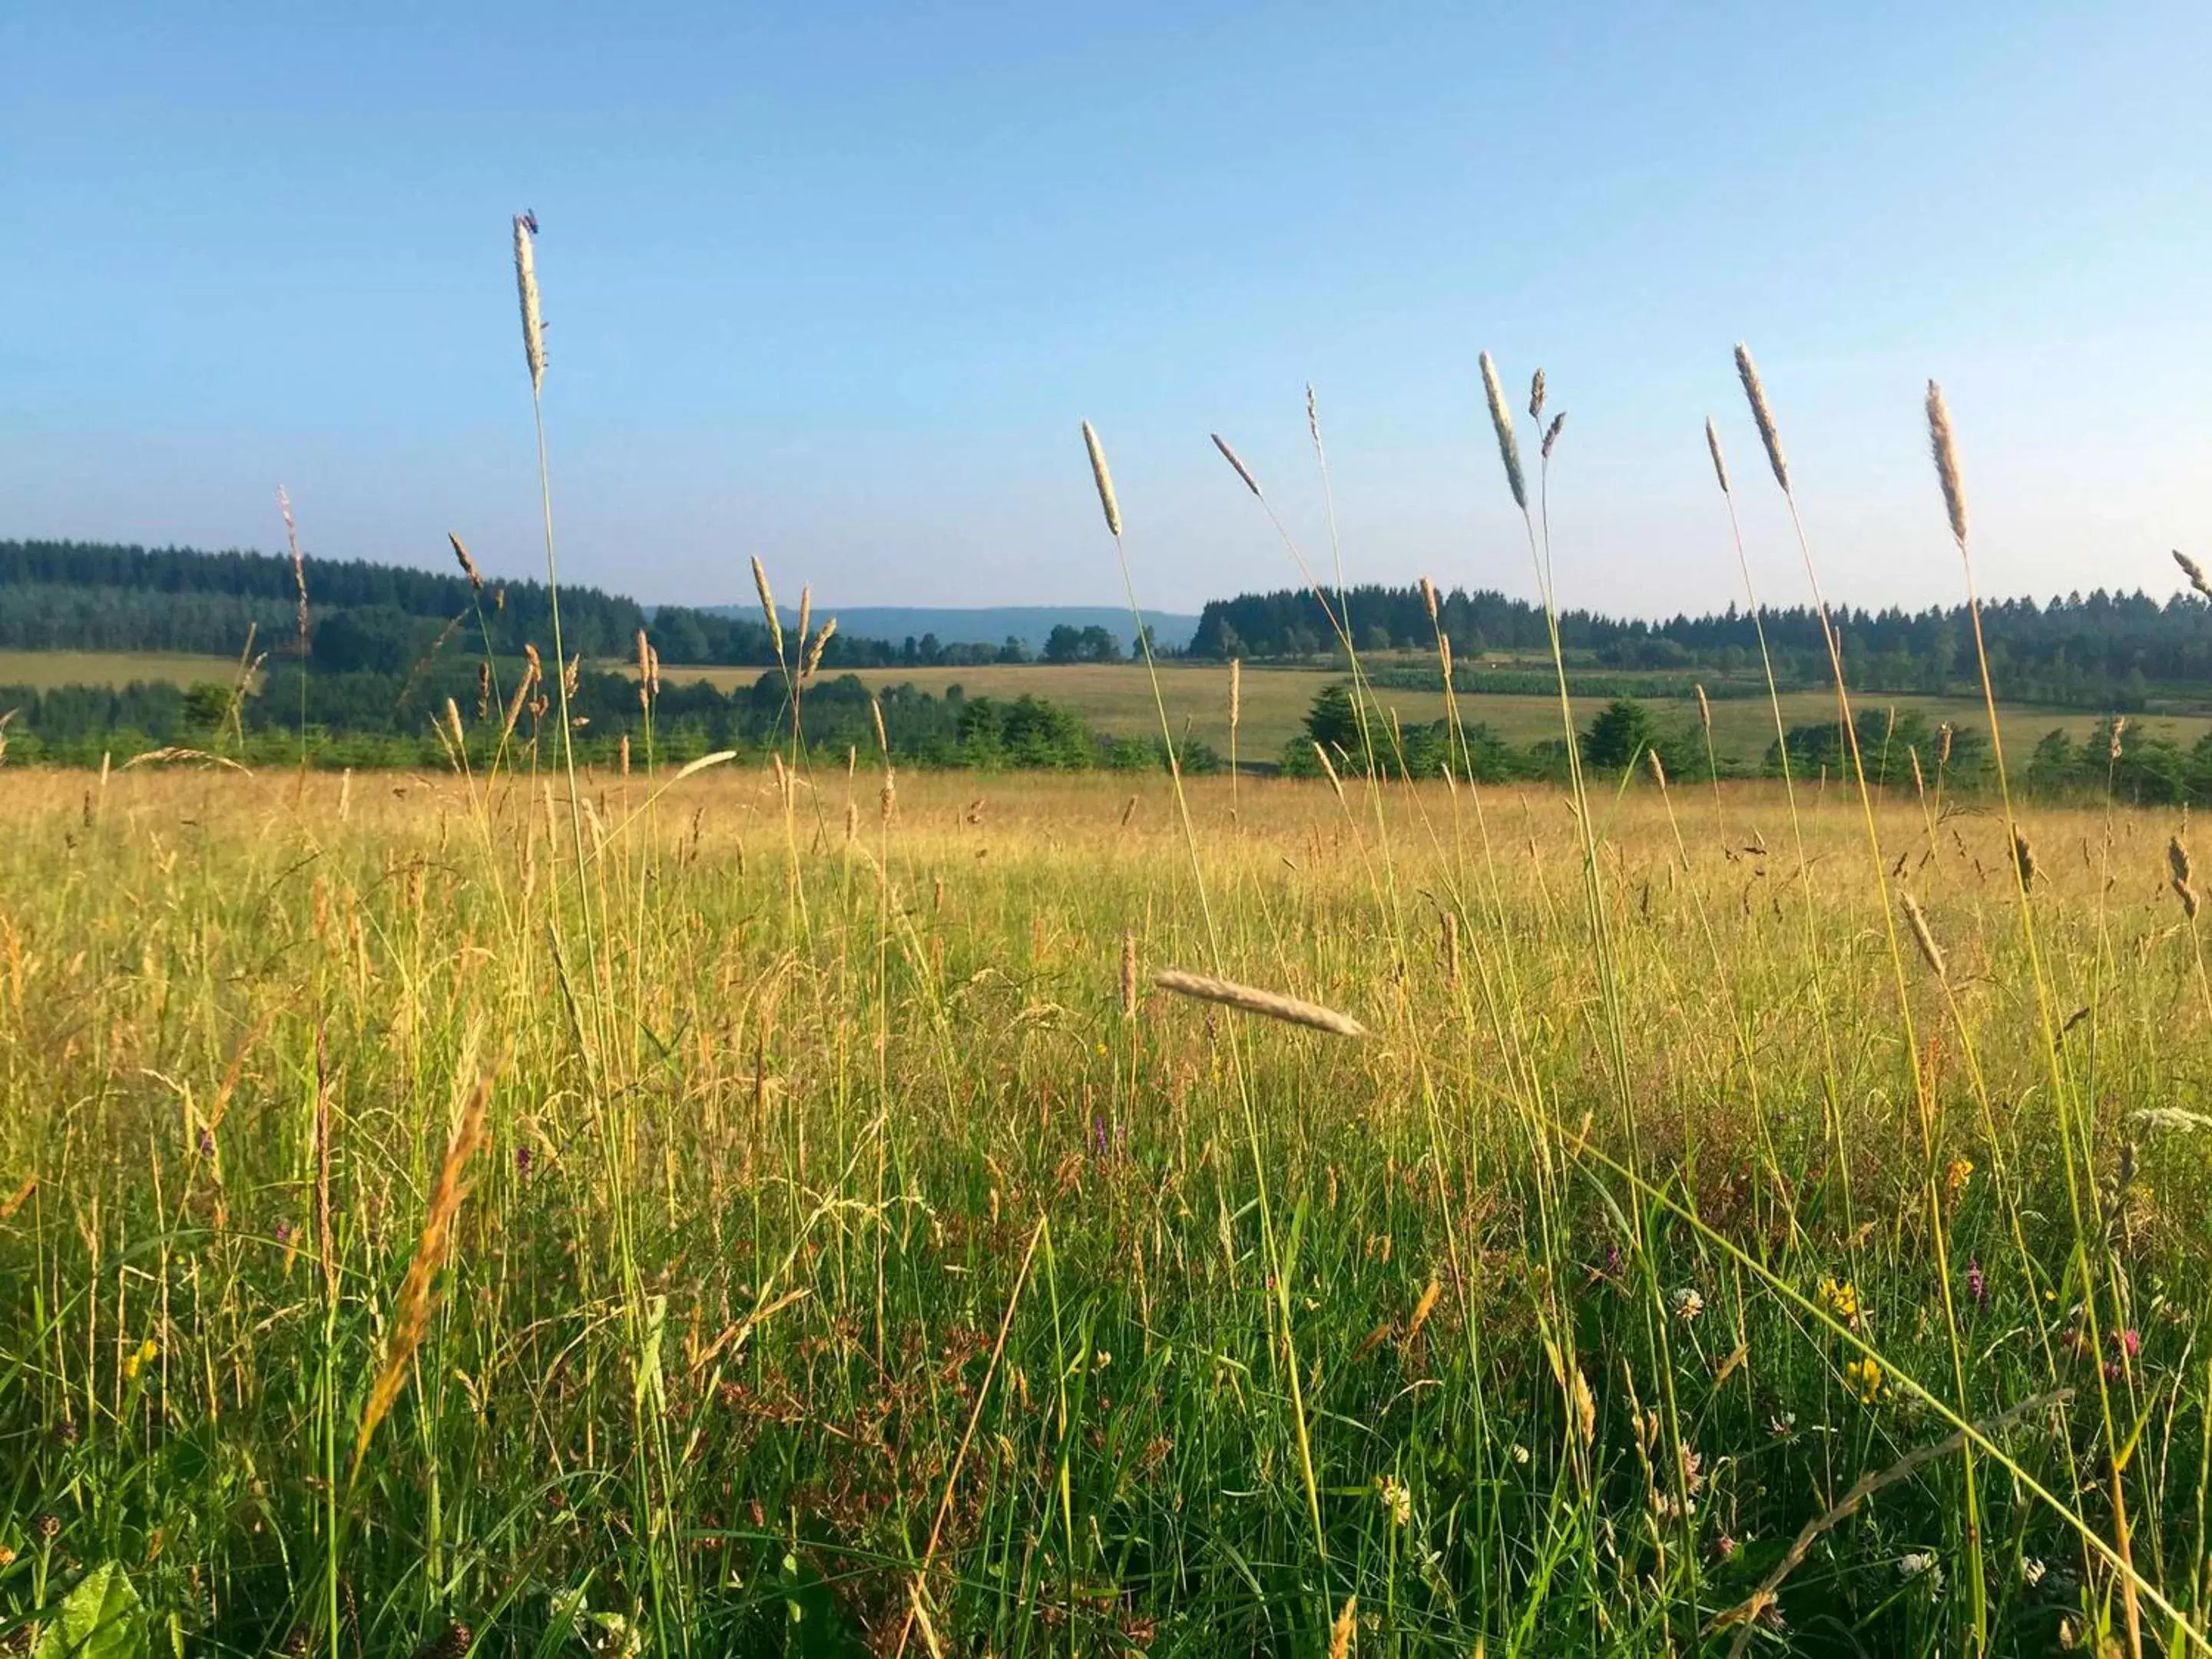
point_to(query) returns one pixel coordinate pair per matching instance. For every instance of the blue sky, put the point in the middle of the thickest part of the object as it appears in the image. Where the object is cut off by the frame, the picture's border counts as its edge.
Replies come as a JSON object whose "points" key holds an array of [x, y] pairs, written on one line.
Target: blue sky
{"points": [[835, 284]]}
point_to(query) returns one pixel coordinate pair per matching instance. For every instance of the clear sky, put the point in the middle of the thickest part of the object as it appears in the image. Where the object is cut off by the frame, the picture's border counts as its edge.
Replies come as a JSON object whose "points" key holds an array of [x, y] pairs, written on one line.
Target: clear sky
{"points": [[835, 284]]}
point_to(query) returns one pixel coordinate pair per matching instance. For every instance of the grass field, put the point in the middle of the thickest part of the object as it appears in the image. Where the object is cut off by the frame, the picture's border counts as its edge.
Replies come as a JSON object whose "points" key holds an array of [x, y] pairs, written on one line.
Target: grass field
{"points": [[808, 1233], [1117, 698], [44, 670]]}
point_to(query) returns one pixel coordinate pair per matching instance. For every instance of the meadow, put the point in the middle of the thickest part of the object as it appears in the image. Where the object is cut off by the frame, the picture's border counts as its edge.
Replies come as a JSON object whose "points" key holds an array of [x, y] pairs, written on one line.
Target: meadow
{"points": [[811, 1232], [813, 1209]]}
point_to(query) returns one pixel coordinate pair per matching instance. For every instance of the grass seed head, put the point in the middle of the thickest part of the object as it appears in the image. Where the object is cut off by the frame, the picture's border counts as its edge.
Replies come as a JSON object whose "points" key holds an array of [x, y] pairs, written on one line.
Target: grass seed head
{"points": [[1340, 1634], [534, 317], [1551, 435], [1128, 972], [820, 644], [1946, 451], [2194, 571], [468, 565], [1252, 1000], [1720, 461], [412, 1318], [1762, 415], [1104, 479], [2024, 859], [1917, 921], [1230, 456], [1235, 691], [1508, 445], [768, 606], [1537, 396], [1705, 713]]}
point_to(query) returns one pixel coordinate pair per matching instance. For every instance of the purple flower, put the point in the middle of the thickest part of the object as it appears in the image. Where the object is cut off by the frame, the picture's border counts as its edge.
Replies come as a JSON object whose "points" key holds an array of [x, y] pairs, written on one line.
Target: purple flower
{"points": [[207, 1141], [1977, 1287], [283, 1232], [1098, 1144], [522, 1162], [2130, 1340]]}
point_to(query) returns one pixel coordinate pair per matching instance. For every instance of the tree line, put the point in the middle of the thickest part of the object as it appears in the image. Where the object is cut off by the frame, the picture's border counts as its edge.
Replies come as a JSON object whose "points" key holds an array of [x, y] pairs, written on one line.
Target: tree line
{"points": [[90, 596], [2104, 651]]}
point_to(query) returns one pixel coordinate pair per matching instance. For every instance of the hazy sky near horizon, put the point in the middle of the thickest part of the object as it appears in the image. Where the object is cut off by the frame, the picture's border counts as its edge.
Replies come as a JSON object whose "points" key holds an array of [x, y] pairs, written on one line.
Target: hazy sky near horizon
{"points": [[835, 284]]}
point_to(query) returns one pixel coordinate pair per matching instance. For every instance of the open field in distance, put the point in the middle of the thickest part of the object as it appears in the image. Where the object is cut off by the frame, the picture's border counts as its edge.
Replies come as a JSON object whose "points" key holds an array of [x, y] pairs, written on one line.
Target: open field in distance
{"points": [[1117, 698], [47, 669]]}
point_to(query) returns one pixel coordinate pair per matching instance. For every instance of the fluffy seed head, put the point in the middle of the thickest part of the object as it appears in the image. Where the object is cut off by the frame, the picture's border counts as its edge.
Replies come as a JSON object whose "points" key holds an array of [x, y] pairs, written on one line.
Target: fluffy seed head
{"points": [[1235, 691], [1713, 447], [299, 564], [1917, 919], [1128, 972], [1230, 456], [1762, 416], [2024, 859], [468, 565], [2177, 860], [1429, 598], [1945, 450], [1551, 433], [533, 319], [1944, 743], [1509, 445], [1536, 396], [1658, 767], [1103, 479], [806, 613], [412, 1316], [2113, 743], [1704, 712], [2194, 571], [820, 644], [768, 606], [1339, 1635], [1252, 1000]]}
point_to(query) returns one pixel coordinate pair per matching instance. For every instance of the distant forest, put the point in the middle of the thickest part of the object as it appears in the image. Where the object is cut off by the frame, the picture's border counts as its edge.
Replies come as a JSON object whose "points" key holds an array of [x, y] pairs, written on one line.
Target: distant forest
{"points": [[2109, 652], [89, 595]]}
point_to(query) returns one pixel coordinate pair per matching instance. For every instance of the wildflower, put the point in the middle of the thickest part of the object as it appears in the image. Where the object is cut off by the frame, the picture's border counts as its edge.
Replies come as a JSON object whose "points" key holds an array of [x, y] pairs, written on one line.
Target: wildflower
{"points": [[1920, 1564], [2032, 1570], [1396, 1500], [1956, 1177], [207, 1141], [1725, 1546], [283, 1232], [1688, 1305], [138, 1362], [1864, 1378], [1978, 1287], [1520, 1454], [2128, 1342], [1783, 1426], [1841, 1300], [522, 1162]]}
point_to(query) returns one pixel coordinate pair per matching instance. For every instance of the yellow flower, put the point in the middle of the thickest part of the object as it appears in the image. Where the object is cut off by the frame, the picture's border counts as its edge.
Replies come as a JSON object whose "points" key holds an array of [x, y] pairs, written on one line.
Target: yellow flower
{"points": [[138, 1362], [1865, 1379], [1840, 1299], [1957, 1176]]}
